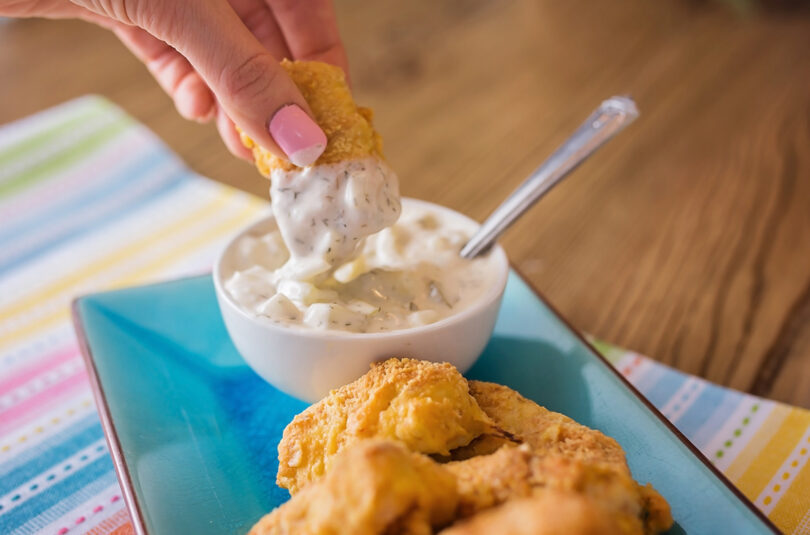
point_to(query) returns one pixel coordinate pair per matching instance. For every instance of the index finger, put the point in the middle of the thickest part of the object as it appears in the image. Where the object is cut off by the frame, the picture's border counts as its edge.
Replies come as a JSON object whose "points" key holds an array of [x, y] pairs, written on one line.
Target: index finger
{"points": [[311, 31]]}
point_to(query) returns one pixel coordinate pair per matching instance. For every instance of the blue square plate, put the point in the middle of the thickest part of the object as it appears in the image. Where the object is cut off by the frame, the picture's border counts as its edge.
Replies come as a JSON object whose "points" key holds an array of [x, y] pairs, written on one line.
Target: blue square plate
{"points": [[193, 431]]}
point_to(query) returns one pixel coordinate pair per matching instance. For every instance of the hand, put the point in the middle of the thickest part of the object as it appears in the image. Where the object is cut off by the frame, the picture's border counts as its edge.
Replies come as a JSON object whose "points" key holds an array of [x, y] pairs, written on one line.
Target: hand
{"points": [[219, 59]]}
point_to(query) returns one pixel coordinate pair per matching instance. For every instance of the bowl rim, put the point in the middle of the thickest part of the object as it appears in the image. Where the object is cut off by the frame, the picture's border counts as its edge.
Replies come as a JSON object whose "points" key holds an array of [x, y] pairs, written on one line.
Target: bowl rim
{"points": [[494, 293]]}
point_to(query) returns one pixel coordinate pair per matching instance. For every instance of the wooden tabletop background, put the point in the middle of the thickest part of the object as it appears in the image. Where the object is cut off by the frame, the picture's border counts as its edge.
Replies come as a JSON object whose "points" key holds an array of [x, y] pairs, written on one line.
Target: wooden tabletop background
{"points": [[687, 239]]}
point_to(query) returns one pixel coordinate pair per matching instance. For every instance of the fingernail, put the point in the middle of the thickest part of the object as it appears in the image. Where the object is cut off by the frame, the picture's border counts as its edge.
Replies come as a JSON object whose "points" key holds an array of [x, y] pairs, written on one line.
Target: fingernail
{"points": [[301, 139]]}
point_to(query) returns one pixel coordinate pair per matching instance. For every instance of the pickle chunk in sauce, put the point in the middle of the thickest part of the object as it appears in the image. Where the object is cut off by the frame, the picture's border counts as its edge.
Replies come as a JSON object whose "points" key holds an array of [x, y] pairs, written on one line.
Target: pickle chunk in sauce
{"points": [[325, 211], [406, 275]]}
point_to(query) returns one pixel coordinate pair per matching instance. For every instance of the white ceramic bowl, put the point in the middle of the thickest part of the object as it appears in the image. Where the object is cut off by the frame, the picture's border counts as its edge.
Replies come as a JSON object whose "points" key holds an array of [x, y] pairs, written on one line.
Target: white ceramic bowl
{"points": [[308, 363]]}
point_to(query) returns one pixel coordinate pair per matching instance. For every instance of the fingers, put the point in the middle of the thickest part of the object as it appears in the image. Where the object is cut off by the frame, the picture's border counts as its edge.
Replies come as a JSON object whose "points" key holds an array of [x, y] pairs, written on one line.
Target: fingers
{"points": [[246, 79], [258, 18], [235, 74], [311, 31], [230, 136], [174, 73]]}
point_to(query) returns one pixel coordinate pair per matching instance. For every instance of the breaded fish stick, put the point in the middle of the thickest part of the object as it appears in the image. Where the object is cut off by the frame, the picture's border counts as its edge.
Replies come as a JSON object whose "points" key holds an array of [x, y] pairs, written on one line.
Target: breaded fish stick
{"points": [[349, 132], [324, 211], [426, 406], [376, 487]]}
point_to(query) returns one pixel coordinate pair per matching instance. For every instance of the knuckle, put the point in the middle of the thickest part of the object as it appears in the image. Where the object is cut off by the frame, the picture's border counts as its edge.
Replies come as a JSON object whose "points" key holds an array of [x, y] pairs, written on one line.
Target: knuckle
{"points": [[251, 78], [120, 10], [129, 11], [163, 20], [156, 17]]}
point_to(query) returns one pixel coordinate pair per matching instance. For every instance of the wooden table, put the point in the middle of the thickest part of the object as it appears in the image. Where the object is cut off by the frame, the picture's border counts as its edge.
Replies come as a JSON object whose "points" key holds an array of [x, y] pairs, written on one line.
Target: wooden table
{"points": [[688, 239]]}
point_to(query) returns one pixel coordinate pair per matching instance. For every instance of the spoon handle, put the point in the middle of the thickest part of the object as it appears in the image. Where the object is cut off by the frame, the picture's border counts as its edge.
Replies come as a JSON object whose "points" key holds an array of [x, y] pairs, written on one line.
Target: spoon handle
{"points": [[606, 121]]}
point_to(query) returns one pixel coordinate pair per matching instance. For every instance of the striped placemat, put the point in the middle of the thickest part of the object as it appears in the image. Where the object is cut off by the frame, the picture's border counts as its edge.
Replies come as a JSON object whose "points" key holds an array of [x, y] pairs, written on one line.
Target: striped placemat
{"points": [[92, 200]]}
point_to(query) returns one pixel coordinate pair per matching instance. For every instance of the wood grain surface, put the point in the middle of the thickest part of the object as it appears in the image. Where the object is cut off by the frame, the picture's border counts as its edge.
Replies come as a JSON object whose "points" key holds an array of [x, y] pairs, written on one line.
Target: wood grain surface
{"points": [[688, 239]]}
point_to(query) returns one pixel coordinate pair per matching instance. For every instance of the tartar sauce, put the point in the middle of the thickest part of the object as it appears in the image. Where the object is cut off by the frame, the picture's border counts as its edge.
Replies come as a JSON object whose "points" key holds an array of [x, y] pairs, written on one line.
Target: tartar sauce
{"points": [[405, 275], [324, 211]]}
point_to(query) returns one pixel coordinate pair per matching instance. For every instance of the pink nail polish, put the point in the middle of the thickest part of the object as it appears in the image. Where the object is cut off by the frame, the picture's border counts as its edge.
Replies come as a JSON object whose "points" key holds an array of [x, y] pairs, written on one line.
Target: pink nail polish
{"points": [[301, 139]]}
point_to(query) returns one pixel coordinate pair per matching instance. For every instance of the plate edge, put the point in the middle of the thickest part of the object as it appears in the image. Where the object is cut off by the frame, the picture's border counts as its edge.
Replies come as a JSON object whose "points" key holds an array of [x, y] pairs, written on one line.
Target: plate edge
{"points": [[652, 408], [114, 446]]}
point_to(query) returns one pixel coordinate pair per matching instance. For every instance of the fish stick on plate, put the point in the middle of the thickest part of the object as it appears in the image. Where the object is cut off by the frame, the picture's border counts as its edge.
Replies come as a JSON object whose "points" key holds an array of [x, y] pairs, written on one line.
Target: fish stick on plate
{"points": [[520, 472], [558, 513], [325, 210], [376, 487], [426, 406], [524, 421]]}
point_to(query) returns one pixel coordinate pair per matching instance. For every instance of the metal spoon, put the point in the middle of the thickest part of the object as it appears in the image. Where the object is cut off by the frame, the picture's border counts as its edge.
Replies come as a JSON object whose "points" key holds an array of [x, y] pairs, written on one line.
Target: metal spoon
{"points": [[605, 122]]}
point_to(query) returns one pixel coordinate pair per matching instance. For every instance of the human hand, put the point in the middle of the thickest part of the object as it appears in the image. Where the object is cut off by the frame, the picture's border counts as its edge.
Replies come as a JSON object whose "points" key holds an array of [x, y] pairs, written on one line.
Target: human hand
{"points": [[218, 59]]}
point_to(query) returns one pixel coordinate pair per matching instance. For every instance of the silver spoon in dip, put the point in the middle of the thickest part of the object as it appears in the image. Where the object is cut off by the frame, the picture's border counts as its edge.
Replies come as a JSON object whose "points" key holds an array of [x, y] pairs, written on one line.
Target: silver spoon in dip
{"points": [[610, 118]]}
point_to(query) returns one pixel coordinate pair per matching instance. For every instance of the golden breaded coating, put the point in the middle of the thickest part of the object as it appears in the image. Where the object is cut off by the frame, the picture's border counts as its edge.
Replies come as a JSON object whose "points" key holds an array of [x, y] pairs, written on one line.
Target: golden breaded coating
{"points": [[556, 513], [430, 408], [658, 514], [513, 473], [425, 405], [489, 480], [349, 132], [375, 487], [615, 491], [544, 430]]}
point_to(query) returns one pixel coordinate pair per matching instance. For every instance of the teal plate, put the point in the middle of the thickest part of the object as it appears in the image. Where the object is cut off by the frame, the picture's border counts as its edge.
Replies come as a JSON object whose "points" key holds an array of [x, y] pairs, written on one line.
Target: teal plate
{"points": [[193, 431]]}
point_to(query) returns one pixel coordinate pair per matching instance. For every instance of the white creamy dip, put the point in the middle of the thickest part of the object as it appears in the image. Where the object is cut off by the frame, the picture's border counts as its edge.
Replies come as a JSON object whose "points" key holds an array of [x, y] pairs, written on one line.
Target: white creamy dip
{"points": [[406, 275], [325, 211]]}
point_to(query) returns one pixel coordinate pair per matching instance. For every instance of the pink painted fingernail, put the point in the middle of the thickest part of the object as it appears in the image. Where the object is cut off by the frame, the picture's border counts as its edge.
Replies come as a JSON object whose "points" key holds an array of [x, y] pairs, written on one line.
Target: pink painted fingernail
{"points": [[296, 133]]}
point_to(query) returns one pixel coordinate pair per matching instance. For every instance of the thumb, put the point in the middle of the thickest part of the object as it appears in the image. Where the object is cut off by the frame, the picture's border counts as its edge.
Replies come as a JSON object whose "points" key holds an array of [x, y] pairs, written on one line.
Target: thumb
{"points": [[248, 81]]}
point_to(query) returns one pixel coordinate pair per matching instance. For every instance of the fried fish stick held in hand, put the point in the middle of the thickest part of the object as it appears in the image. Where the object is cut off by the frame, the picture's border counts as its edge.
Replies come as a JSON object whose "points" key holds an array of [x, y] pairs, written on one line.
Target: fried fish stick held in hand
{"points": [[325, 210], [349, 132]]}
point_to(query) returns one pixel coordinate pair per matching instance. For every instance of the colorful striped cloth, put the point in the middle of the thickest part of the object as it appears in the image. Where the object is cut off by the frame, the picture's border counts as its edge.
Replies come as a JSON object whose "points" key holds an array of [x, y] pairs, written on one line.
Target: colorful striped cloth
{"points": [[91, 200]]}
